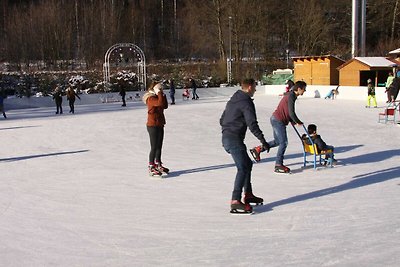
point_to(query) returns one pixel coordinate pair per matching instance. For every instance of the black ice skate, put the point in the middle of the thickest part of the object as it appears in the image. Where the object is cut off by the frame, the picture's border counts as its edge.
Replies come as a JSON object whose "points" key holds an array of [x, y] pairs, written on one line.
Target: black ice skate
{"points": [[251, 199], [237, 207], [282, 169]]}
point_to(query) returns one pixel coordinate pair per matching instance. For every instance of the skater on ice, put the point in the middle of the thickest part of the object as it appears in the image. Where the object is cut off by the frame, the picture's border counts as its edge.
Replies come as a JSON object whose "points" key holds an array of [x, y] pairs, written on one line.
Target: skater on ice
{"points": [[289, 84], [194, 89], [2, 97], [371, 94], [172, 91], [57, 97], [240, 114], [71, 94], [156, 102], [283, 115]]}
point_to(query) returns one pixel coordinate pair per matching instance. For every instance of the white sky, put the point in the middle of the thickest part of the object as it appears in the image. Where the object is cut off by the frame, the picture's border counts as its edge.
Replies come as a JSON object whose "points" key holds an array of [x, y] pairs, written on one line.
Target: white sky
{"points": [[75, 191]]}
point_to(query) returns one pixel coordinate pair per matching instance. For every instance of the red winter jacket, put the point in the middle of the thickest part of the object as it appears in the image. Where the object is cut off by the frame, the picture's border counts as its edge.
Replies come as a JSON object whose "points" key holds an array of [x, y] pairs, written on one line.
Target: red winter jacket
{"points": [[155, 109]]}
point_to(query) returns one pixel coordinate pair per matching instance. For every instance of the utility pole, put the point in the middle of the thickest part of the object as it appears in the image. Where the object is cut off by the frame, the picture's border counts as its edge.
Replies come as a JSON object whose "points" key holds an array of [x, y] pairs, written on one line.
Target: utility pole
{"points": [[229, 61], [358, 28]]}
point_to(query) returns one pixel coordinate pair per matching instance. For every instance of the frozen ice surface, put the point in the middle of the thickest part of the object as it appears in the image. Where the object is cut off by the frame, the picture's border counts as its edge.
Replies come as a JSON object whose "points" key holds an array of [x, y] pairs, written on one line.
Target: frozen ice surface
{"points": [[75, 191]]}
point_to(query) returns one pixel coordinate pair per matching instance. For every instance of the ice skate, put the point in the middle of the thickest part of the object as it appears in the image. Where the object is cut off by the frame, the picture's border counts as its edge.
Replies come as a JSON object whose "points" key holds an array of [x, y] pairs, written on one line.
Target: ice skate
{"points": [[162, 169], [154, 172], [237, 207], [282, 169], [250, 198], [330, 162], [255, 153]]}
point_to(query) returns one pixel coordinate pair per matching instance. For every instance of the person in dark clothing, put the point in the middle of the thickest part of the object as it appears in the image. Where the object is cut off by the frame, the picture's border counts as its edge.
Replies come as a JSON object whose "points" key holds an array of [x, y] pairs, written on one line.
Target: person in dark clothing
{"points": [[289, 85], [240, 114], [71, 94], [57, 96], [122, 93], [282, 116], [194, 89], [156, 102], [172, 91], [321, 145], [394, 88], [2, 96]]}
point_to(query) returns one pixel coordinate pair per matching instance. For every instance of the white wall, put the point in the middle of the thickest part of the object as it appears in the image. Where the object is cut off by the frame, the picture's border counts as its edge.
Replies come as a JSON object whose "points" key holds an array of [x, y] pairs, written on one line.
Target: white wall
{"points": [[345, 92], [36, 102]]}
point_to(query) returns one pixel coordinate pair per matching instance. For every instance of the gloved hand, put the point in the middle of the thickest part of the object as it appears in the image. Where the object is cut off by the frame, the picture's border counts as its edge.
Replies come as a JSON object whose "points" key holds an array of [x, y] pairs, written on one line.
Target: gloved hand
{"points": [[265, 146]]}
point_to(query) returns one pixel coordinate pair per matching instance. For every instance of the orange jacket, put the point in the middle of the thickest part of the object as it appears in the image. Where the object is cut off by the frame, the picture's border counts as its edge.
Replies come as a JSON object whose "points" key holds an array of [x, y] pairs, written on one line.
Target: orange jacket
{"points": [[155, 109]]}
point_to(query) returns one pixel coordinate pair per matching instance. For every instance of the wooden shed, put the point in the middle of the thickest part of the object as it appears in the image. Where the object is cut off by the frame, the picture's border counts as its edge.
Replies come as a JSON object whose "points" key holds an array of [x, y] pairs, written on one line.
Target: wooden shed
{"points": [[395, 54], [358, 70], [317, 70]]}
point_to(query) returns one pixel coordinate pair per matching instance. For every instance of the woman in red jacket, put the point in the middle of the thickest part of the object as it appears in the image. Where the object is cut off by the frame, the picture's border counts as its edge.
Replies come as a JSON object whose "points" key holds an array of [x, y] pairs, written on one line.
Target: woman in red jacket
{"points": [[156, 102]]}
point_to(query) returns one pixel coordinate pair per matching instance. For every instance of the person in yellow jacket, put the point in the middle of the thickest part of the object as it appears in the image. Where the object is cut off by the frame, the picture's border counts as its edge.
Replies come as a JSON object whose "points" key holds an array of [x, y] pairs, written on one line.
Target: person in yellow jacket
{"points": [[389, 82], [371, 94]]}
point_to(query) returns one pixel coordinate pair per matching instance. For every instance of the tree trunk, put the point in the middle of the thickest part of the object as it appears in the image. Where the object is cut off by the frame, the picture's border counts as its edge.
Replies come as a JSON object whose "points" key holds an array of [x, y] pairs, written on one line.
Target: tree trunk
{"points": [[217, 5], [394, 21]]}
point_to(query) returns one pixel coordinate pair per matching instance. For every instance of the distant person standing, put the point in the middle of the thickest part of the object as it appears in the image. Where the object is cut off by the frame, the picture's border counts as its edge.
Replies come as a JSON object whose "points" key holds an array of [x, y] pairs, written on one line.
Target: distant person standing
{"points": [[2, 97], [156, 102], [194, 89], [289, 84], [371, 94], [122, 93], [57, 96], [389, 82], [394, 89], [172, 91], [71, 95], [240, 114]]}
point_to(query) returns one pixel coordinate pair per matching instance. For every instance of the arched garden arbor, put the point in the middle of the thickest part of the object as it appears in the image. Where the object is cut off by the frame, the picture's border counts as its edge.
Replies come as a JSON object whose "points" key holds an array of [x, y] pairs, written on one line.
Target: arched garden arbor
{"points": [[122, 53]]}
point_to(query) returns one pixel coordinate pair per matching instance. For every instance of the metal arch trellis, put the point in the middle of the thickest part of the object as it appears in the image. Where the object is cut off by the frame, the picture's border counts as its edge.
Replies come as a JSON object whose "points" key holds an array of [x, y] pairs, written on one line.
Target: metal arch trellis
{"points": [[141, 65]]}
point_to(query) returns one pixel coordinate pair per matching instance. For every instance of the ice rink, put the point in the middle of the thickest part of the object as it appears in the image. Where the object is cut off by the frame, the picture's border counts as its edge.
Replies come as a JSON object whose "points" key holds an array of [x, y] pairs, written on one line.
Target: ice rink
{"points": [[75, 190]]}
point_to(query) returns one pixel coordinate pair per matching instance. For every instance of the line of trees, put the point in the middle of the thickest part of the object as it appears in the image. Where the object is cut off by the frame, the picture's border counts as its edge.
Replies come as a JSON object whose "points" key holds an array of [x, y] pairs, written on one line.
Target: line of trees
{"points": [[50, 30]]}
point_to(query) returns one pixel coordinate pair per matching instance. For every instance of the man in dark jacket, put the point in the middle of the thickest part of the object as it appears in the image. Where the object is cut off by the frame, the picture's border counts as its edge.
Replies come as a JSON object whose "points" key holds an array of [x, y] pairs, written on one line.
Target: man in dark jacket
{"points": [[394, 88], [284, 113], [240, 114], [57, 96]]}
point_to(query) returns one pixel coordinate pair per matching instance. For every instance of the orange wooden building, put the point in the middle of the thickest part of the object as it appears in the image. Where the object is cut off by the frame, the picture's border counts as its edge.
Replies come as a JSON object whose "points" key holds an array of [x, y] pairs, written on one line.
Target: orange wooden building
{"points": [[358, 70], [317, 70]]}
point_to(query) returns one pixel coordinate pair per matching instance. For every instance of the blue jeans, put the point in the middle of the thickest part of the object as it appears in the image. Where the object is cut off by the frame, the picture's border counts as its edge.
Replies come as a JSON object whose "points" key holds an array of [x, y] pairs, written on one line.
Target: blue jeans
{"points": [[244, 165], [280, 139]]}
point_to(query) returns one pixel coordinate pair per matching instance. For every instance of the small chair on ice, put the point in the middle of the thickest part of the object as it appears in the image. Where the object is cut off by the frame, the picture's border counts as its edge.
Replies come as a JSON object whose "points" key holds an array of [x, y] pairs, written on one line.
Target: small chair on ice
{"points": [[389, 114], [310, 148]]}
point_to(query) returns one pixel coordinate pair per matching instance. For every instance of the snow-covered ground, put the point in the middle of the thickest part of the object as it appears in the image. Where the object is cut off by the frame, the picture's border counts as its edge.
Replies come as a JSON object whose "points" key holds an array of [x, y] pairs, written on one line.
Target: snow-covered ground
{"points": [[75, 191]]}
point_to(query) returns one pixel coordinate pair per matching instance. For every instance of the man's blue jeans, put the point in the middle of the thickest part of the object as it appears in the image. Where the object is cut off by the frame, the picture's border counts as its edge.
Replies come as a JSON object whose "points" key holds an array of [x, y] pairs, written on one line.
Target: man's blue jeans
{"points": [[244, 165], [280, 139]]}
